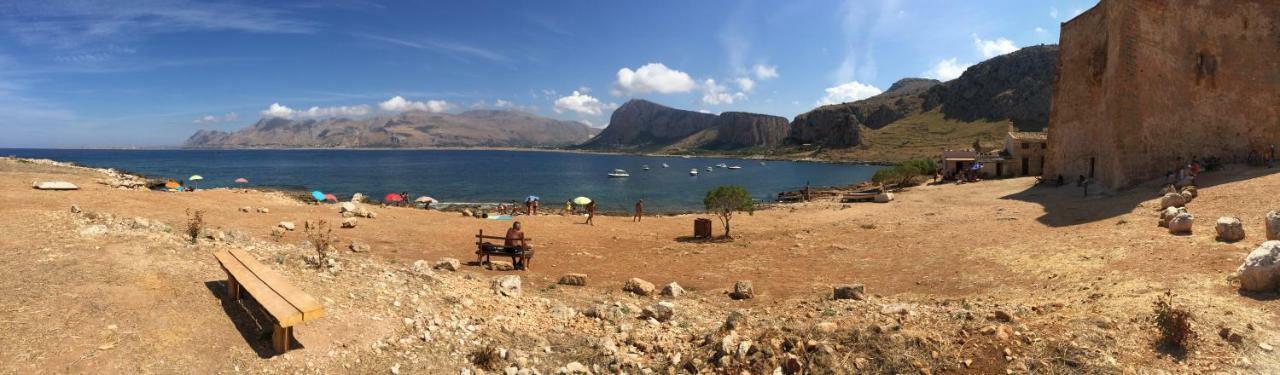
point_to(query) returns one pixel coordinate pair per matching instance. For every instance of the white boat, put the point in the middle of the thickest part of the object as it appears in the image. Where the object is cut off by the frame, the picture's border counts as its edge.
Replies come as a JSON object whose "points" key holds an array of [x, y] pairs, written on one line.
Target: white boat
{"points": [[619, 173], [664, 165], [709, 169], [761, 163], [722, 165], [693, 172], [734, 167], [686, 156], [645, 167]]}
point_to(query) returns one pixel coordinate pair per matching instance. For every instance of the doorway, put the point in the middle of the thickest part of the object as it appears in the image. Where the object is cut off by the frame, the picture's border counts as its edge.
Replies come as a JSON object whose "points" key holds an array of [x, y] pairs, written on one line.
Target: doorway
{"points": [[1026, 166]]}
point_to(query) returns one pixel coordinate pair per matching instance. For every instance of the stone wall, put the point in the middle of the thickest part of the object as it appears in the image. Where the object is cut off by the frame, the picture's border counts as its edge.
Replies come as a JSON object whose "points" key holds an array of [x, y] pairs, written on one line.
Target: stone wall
{"points": [[1145, 85]]}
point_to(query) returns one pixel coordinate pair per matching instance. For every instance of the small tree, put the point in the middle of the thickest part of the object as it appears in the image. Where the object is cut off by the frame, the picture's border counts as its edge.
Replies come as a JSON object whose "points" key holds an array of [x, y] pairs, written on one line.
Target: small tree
{"points": [[725, 200], [195, 224], [322, 238], [906, 173]]}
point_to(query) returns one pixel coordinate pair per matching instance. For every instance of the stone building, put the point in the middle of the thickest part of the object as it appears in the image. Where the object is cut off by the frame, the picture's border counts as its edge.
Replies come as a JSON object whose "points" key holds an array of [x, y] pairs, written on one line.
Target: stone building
{"points": [[1145, 85], [1022, 154], [1025, 152]]}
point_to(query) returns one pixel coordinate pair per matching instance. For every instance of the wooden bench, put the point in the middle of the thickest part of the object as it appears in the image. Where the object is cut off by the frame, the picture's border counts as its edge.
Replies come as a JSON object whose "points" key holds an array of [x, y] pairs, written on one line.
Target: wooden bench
{"points": [[286, 303], [521, 258]]}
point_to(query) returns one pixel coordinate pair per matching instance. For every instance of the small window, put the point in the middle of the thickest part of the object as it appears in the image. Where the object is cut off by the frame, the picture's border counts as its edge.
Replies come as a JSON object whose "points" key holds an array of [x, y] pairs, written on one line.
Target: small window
{"points": [[1044, 146], [1026, 146]]}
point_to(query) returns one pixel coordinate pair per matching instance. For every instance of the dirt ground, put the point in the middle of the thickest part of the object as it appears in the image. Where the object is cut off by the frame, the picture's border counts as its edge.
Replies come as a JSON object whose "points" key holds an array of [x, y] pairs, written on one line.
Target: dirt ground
{"points": [[1073, 269]]}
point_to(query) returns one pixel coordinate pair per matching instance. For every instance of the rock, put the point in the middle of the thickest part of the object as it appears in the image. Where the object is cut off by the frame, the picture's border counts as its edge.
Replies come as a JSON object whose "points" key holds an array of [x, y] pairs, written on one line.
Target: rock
{"points": [[94, 230], [448, 264], [661, 311], [499, 265], [1191, 192], [1273, 225], [420, 267], [1181, 224], [742, 290], [897, 309], [1168, 214], [825, 327], [467, 212], [574, 368], [1004, 316], [638, 287], [1172, 200], [1230, 229], [264, 210], [884, 197], [237, 236], [1187, 196], [349, 222], [673, 290], [54, 185], [357, 198], [246, 209], [287, 225], [736, 320], [576, 279], [358, 247], [75, 209], [850, 291], [346, 207], [1226, 334], [1260, 271], [277, 232], [508, 285]]}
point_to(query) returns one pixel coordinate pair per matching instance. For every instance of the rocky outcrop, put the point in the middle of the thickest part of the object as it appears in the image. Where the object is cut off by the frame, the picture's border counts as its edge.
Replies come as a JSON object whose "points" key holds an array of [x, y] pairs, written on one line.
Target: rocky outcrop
{"points": [[837, 125], [479, 128], [738, 130], [644, 125], [1017, 86]]}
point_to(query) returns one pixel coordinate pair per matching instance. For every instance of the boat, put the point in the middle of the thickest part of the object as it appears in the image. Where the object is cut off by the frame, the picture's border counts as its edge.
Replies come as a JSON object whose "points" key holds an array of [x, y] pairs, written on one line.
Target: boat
{"points": [[734, 167], [693, 172], [645, 167], [619, 173], [709, 169], [761, 163], [722, 165], [664, 165], [686, 156]]}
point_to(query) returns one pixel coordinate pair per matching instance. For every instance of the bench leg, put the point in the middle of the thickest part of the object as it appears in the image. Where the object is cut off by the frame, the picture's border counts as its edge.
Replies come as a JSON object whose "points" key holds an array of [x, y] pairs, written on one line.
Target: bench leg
{"points": [[280, 338], [233, 288]]}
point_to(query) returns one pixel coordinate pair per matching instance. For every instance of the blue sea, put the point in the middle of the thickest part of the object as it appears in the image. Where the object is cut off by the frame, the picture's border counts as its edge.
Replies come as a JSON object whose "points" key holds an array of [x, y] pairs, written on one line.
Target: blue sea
{"points": [[472, 176]]}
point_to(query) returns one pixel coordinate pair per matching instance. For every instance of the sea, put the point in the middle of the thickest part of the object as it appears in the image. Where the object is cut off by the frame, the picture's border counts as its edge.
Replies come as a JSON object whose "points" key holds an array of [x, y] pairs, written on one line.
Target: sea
{"points": [[473, 176]]}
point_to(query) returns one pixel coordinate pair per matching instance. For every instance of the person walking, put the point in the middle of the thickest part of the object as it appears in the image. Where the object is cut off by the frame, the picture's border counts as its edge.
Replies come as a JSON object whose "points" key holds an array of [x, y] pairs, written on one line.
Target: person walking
{"points": [[639, 211], [591, 213]]}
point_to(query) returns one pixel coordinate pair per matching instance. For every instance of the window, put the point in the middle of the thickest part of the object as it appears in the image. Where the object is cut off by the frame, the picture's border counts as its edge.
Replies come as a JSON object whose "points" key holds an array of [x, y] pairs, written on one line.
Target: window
{"points": [[1026, 145], [1044, 146]]}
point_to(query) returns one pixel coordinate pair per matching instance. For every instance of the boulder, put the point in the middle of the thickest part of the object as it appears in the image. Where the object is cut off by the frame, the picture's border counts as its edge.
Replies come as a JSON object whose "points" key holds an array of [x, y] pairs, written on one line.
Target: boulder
{"points": [[75, 209], [264, 210], [1181, 224], [246, 209], [1273, 225], [94, 230], [576, 279], [448, 264], [884, 197], [1172, 200], [742, 290], [1191, 192], [349, 222], [508, 285], [55, 185], [1168, 213], [1229, 229], [346, 207], [420, 267], [638, 287], [287, 225], [499, 265], [661, 311], [1187, 196], [673, 290], [358, 247], [850, 291], [357, 198], [1260, 271], [233, 236]]}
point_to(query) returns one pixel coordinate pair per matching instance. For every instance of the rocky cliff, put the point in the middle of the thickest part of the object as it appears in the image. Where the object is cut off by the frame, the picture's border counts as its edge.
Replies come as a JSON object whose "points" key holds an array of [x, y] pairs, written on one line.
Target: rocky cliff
{"points": [[837, 125], [479, 128], [643, 125]]}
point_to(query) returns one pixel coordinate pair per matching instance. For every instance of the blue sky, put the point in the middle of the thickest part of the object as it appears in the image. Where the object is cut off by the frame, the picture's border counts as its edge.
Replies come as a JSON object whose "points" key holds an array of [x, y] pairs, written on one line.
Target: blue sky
{"points": [[150, 72]]}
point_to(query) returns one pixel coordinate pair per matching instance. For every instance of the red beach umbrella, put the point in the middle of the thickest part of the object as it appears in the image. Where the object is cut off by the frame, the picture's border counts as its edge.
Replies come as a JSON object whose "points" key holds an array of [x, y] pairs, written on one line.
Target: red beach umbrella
{"points": [[393, 197], [330, 197], [242, 180]]}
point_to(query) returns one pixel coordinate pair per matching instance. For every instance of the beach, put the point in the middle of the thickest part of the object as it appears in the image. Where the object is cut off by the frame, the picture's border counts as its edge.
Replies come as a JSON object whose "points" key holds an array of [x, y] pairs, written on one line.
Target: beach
{"points": [[975, 278]]}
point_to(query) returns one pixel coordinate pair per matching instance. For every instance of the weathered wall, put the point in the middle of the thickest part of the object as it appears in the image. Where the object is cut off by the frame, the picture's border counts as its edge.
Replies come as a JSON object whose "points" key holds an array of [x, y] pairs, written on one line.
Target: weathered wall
{"points": [[1146, 84]]}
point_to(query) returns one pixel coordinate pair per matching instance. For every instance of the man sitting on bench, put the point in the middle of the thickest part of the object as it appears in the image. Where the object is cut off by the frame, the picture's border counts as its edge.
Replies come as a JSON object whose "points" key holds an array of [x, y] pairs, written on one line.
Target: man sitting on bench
{"points": [[513, 243]]}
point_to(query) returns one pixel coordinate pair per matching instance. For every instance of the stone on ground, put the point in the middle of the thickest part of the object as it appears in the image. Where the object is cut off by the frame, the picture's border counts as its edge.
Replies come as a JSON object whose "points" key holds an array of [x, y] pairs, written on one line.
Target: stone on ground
{"points": [[661, 311], [1260, 271], [673, 290], [1273, 225], [850, 291], [1191, 191], [576, 279], [1181, 224], [358, 247], [508, 285], [55, 185], [1168, 213], [742, 290], [93, 230], [1172, 200], [287, 225], [638, 287], [1229, 229], [246, 209], [264, 210], [448, 264], [349, 222]]}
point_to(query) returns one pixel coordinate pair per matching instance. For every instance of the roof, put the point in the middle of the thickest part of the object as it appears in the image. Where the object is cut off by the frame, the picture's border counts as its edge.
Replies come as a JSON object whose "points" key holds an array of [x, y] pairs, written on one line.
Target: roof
{"points": [[1029, 136], [958, 159]]}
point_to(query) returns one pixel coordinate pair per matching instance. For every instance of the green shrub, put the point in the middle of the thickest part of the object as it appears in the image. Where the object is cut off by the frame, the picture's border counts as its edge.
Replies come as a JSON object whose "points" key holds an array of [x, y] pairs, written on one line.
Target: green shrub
{"points": [[906, 173], [723, 201]]}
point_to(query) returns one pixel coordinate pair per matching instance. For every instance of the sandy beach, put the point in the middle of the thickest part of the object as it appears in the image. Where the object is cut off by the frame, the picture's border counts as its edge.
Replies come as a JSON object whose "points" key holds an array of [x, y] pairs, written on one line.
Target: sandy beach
{"points": [[976, 278]]}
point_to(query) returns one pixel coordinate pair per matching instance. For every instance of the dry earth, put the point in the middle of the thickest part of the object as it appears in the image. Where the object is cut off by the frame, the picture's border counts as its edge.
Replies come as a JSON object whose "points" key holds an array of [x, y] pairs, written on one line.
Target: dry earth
{"points": [[979, 278]]}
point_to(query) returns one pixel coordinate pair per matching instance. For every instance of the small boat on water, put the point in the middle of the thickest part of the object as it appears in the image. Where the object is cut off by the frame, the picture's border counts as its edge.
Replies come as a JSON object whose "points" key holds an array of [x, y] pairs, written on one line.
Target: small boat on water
{"points": [[722, 165], [761, 163], [709, 169], [693, 172], [686, 156], [619, 173], [664, 165], [645, 167], [734, 167]]}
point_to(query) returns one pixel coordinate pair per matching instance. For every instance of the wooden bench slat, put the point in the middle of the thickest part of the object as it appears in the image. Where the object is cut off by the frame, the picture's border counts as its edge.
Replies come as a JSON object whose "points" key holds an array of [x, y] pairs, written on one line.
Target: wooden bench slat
{"points": [[285, 313], [305, 303]]}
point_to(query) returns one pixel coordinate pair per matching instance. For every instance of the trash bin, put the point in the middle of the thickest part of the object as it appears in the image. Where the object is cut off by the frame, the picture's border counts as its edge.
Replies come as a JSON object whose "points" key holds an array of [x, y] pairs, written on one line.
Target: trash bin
{"points": [[702, 227]]}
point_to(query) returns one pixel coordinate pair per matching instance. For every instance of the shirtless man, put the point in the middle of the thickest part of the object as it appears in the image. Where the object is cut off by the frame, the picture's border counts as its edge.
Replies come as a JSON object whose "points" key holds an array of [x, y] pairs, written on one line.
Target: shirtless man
{"points": [[639, 210], [515, 242], [591, 213]]}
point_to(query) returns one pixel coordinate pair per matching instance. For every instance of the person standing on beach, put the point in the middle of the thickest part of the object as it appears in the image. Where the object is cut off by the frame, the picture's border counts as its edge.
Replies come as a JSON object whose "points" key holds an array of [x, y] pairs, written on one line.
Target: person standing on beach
{"points": [[568, 207], [639, 211], [591, 213]]}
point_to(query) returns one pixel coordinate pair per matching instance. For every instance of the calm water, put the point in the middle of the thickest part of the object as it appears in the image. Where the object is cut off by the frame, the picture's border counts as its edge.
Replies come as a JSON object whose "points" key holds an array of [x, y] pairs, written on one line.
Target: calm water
{"points": [[471, 176]]}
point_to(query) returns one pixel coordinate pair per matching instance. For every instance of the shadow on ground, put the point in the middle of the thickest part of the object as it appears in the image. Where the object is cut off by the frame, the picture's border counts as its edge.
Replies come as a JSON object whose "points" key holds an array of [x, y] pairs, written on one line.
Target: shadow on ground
{"points": [[250, 320], [1067, 205]]}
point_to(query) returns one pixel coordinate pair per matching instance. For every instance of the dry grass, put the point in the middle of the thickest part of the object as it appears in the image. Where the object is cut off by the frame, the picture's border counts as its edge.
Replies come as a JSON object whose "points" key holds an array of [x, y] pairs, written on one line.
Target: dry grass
{"points": [[1174, 323], [920, 136], [195, 224], [322, 239]]}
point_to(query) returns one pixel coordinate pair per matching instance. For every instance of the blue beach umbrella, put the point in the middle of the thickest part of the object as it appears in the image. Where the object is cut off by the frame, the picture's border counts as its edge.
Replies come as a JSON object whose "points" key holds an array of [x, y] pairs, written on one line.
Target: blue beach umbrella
{"points": [[317, 195], [531, 198]]}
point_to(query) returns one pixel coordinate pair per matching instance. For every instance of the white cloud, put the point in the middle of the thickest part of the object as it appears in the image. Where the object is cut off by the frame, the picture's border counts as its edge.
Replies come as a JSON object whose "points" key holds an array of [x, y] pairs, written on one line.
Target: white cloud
{"points": [[1041, 30], [281, 111], [579, 102], [584, 89], [1077, 12], [946, 70], [705, 111], [502, 103], [848, 92], [714, 93], [993, 48], [210, 119], [277, 110], [764, 72], [1053, 12], [652, 77], [746, 84], [399, 104]]}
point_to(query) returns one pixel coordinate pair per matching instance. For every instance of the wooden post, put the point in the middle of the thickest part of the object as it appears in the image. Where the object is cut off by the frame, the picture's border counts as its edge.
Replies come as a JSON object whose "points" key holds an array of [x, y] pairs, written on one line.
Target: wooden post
{"points": [[233, 287], [280, 337]]}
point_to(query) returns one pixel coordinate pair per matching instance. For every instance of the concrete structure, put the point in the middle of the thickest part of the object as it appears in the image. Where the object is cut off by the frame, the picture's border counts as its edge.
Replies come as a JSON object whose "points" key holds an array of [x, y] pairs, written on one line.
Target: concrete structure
{"points": [[1145, 85], [1025, 152], [1021, 155]]}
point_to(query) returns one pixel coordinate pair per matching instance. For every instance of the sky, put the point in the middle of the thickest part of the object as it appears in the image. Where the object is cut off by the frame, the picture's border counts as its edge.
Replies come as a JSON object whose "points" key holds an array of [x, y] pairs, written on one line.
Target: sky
{"points": [[149, 73]]}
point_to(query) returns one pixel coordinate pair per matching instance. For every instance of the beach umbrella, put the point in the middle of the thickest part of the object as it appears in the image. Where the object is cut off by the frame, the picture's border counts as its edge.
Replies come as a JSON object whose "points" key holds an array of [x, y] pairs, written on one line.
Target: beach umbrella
{"points": [[330, 197], [393, 197], [531, 198], [317, 195], [195, 177], [581, 200], [424, 199], [242, 180], [172, 184]]}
